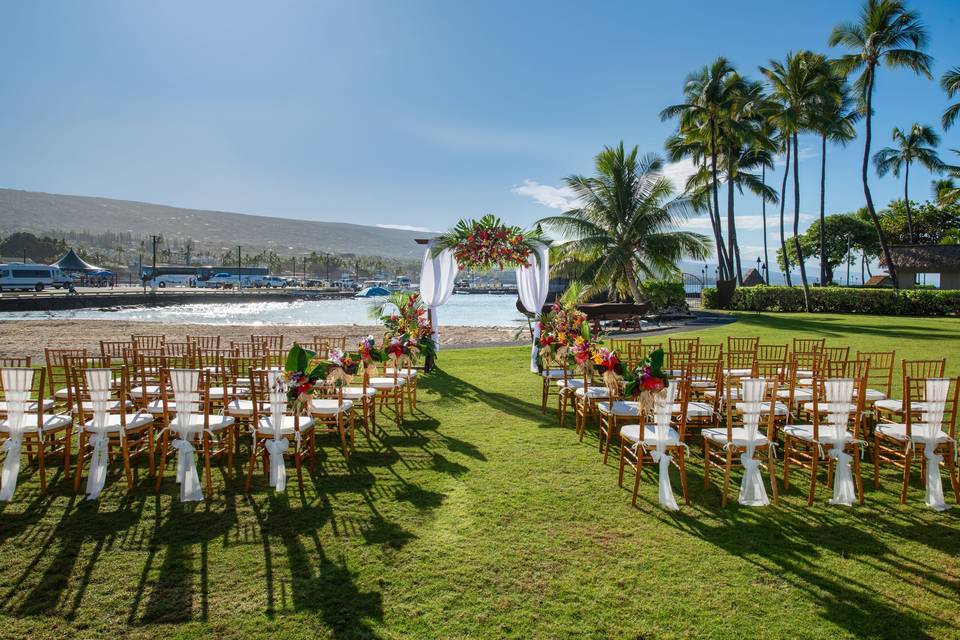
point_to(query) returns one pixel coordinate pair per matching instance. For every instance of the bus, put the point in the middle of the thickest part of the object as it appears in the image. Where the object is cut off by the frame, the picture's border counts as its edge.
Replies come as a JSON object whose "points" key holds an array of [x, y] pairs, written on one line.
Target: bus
{"points": [[24, 277]]}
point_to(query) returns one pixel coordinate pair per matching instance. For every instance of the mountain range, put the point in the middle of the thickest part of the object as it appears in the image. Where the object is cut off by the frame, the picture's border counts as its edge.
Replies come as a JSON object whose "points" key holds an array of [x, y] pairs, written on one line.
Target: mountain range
{"points": [[39, 212]]}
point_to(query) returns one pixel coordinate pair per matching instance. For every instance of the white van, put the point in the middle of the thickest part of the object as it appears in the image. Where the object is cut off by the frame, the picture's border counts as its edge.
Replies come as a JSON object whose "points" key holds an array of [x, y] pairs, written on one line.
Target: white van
{"points": [[24, 277]]}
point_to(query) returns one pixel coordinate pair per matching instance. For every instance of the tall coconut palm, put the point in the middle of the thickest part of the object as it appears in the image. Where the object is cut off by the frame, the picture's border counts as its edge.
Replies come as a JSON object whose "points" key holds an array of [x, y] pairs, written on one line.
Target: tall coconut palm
{"points": [[916, 145], [886, 32], [766, 139], [950, 81], [799, 85], [625, 227], [708, 94], [835, 122], [785, 148]]}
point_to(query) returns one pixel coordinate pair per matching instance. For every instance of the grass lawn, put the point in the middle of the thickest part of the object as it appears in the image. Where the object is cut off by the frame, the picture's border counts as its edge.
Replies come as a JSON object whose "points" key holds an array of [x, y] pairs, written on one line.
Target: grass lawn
{"points": [[482, 518]]}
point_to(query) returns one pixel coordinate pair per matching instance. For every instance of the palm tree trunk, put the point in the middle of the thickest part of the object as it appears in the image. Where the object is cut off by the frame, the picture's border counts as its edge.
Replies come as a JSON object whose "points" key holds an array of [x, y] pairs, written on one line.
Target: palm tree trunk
{"points": [[796, 224], [722, 263], [734, 251], [631, 276], [718, 237], [906, 202], [783, 204], [823, 191], [868, 134], [763, 213]]}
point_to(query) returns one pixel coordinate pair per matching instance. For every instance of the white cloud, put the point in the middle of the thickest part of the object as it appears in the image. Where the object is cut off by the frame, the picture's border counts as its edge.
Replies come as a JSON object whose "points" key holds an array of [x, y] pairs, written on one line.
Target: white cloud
{"points": [[678, 172], [744, 223], [805, 153], [404, 227], [562, 198]]}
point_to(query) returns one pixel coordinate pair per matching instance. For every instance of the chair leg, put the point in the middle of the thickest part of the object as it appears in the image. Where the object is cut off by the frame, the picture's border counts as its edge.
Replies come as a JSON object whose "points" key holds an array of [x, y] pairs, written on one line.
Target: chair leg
{"points": [[773, 475], [343, 436], [907, 459], [543, 395], [951, 467], [707, 463], [253, 463], [682, 464], [67, 443], [42, 454], [125, 452], [229, 435], [814, 460], [150, 461], [876, 461], [164, 443], [623, 450], [787, 452], [207, 440], [726, 476], [79, 472], [856, 469]]}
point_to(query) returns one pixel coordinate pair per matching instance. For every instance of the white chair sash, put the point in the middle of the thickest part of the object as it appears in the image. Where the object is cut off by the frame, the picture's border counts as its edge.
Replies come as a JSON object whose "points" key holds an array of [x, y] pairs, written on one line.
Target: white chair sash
{"points": [[17, 383], [839, 395], [278, 445], [934, 406], [752, 491], [98, 384], [662, 408], [186, 395]]}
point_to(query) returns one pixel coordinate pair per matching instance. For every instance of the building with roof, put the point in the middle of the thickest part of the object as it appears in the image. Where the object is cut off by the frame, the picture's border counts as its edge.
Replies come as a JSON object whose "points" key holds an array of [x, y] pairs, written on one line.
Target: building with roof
{"points": [[752, 278], [911, 259], [70, 262]]}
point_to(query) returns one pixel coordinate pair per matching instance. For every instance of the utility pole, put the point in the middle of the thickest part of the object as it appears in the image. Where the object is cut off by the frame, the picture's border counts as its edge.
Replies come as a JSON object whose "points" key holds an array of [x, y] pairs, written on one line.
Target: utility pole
{"points": [[153, 272]]}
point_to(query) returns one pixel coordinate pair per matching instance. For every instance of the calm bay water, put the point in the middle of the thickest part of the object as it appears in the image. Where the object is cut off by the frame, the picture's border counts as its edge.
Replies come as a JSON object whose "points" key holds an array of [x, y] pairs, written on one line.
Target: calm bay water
{"points": [[460, 310]]}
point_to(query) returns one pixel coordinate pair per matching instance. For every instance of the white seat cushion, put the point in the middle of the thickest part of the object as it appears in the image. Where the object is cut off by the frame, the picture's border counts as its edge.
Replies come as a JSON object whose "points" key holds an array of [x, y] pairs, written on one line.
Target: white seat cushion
{"points": [[593, 392], [385, 383], [61, 394], [214, 423], [799, 395], [805, 432], [898, 431], [356, 393], [412, 373], [822, 406], [329, 406], [156, 406], [872, 395], [219, 393], [151, 390], [694, 409], [31, 407], [620, 408], [286, 426], [133, 420], [738, 373], [631, 432], [51, 422], [553, 374], [114, 406], [739, 436], [713, 393], [239, 407], [570, 383], [779, 409], [896, 406]]}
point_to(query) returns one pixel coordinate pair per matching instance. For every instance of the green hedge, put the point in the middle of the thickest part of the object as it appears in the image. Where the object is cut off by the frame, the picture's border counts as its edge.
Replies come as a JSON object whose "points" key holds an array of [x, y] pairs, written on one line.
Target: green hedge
{"points": [[912, 302], [663, 295]]}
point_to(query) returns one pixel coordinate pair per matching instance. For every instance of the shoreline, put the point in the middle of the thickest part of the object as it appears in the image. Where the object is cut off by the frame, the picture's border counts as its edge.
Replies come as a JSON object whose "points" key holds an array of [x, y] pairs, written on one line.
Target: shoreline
{"points": [[31, 337]]}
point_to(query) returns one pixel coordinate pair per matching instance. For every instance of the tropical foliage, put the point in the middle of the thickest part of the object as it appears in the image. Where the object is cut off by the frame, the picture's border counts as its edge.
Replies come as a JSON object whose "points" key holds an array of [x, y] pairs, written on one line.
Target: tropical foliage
{"points": [[624, 228], [488, 243], [844, 234], [916, 145], [913, 302]]}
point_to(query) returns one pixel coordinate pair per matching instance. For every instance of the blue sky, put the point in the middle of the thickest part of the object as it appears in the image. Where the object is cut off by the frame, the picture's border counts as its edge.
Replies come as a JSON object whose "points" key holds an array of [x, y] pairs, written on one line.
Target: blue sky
{"points": [[396, 112]]}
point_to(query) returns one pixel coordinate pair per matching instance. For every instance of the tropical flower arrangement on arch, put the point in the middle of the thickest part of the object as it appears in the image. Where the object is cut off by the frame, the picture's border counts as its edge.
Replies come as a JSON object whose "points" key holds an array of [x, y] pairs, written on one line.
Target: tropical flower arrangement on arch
{"points": [[408, 334], [488, 243]]}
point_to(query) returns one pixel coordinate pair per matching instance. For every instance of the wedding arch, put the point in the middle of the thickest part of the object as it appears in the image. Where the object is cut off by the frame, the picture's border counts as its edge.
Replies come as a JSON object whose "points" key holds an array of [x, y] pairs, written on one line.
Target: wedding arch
{"points": [[482, 245]]}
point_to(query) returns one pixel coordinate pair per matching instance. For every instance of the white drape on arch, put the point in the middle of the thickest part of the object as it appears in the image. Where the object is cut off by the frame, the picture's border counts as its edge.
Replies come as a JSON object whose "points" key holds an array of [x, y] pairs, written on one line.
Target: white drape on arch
{"points": [[533, 284], [437, 277]]}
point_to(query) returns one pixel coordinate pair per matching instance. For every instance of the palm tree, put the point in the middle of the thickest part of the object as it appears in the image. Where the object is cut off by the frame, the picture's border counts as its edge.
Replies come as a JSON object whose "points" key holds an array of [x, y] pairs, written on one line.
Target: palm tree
{"points": [[886, 32], [799, 85], [916, 145], [625, 226], [785, 147], [834, 122], [766, 139], [950, 81], [708, 95]]}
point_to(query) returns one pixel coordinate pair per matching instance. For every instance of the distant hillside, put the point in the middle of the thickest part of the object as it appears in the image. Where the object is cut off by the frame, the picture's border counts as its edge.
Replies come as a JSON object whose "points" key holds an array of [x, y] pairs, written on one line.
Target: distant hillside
{"points": [[45, 212]]}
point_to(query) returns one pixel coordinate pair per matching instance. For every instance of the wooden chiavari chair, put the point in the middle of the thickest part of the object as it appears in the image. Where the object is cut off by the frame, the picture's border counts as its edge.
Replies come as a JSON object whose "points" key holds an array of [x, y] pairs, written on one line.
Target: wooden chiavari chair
{"points": [[58, 374], [24, 362], [891, 409], [933, 423], [130, 433], [566, 388], [880, 374], [612, 413], [205, 429], [147, 341], [586, 397], [837, 397], [749, 430], [204, 342], [390, 390], [366, 397], [806, 351], [332, 413], [705, 378], [773, 352], [292, 425], [115, 349], [146, 387], [29, 427], [638, 441], [267, 341]]}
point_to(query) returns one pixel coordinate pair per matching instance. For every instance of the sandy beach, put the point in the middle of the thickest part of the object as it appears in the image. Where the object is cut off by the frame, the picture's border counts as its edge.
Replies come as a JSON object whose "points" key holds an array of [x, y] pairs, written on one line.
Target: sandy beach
{"points": [[31, 337]]}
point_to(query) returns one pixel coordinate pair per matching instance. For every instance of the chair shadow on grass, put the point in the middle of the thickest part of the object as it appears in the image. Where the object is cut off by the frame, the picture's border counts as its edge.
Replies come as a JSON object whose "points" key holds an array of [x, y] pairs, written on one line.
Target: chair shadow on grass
{"points": [[788, 543]]}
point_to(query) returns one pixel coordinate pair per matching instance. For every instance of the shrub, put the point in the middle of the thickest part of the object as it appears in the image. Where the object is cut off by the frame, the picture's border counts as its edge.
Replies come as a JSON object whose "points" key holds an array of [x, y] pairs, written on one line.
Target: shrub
{"points": [[663, 295], [913, 302]]}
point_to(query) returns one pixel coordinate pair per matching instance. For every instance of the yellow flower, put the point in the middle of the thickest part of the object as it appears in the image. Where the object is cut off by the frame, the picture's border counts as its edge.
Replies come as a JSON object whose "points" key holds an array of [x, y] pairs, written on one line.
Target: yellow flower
{"points": [[579, 341], [597, 359]]}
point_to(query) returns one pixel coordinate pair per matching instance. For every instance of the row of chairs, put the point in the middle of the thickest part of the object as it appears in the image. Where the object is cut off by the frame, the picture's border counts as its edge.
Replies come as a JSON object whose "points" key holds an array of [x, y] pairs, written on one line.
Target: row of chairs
{"points": [[43, 408], [709, 383]]}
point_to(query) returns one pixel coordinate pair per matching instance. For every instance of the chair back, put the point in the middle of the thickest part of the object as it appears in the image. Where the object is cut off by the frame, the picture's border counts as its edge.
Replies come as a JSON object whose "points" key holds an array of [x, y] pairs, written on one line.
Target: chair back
{"points": [[269, 395], [880, 374], [332, 342], [204, 342], [678, 351], [808, 346], [267, 341], [115, 349], [771, 352], [100, 387], [741, 361], [246, 349], [189, 391], [742, 344], [832, 398], [147, 341], [15, 362], [179, 349], [274, 357], [703, 351], [58, 374], [21, 389]]}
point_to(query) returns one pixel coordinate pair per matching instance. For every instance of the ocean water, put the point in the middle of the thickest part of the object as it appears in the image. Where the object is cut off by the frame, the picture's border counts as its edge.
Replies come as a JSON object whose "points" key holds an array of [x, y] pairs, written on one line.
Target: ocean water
{"points": [[460, 310]]}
